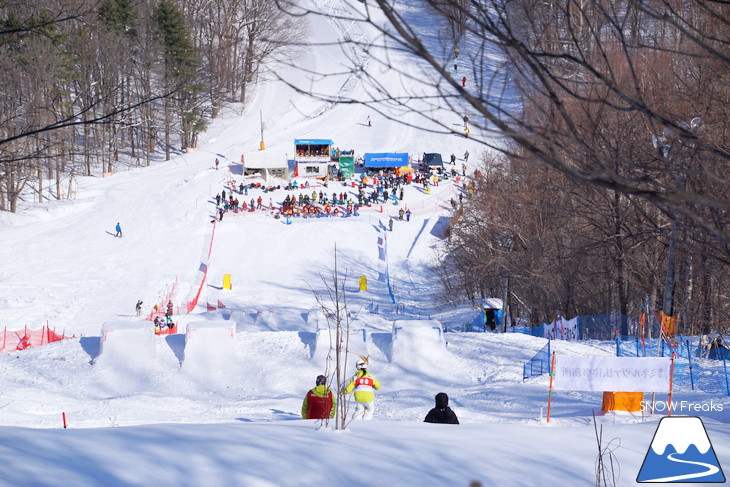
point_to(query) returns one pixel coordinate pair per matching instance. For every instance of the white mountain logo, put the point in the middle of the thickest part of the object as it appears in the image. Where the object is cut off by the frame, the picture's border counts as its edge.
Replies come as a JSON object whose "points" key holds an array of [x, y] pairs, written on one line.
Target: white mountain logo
{"points": [[681, 452]]}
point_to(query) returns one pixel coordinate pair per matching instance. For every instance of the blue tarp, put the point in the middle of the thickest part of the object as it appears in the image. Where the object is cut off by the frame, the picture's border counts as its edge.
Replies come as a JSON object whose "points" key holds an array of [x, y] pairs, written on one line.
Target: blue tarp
{"points": [[313, 142], [386, 159]]}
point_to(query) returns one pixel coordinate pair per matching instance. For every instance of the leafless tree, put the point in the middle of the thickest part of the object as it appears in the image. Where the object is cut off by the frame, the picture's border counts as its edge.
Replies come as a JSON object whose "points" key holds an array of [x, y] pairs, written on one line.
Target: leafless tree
{"points": [[334, 306]]}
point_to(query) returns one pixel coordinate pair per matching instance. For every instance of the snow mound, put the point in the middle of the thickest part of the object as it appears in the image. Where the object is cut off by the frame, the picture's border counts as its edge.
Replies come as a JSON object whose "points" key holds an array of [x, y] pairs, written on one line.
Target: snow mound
{"points": [[210, 348], [356, 344], [127, 346], [418, 343], [266, 320], [242, 319], [316, 320]]}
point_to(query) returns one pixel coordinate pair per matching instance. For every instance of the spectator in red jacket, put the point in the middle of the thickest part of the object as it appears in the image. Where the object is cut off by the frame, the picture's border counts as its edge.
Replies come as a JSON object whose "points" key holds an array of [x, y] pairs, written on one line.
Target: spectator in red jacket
{"points": [[319, 403]]}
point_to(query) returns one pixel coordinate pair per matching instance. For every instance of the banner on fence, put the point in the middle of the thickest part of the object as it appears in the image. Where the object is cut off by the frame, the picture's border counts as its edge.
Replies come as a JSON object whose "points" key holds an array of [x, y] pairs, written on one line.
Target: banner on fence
{"points": [[561, 329], [645, 374]]}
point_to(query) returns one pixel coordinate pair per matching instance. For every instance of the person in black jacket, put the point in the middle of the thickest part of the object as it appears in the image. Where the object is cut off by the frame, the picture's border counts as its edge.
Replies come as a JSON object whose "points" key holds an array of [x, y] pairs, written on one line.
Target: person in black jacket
{"points": [[442, 413]]}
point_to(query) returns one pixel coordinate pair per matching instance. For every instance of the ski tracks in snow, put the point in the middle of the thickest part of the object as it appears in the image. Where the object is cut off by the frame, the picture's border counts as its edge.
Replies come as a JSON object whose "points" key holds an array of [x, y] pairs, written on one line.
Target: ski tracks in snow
{"points": [[353, 36]]}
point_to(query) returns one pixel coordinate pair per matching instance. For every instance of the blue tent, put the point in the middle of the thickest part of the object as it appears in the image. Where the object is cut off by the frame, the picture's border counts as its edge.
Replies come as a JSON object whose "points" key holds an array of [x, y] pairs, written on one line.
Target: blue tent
{"points": [[313, 142], [386, 159]]}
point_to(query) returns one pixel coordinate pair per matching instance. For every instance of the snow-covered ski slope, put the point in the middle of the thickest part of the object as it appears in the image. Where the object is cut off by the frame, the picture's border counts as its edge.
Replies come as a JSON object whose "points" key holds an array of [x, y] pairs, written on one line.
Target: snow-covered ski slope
{"points": [[166, 417]]}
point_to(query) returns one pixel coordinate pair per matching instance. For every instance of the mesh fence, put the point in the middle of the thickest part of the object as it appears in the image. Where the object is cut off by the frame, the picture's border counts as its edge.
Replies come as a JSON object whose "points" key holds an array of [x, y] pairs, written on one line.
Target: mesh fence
{"points": [[652, 347], [606, 326], [539, 364], [704, 375]]}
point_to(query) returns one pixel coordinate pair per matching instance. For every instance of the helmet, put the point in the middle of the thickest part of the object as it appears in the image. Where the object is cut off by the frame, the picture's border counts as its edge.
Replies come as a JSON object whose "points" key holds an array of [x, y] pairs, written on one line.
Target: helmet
{"points": [[362, 364], [321, 380]]}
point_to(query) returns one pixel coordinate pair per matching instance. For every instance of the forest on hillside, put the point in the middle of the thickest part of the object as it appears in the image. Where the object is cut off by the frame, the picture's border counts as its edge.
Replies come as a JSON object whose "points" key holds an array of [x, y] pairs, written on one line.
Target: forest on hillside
{"points": [[88, 84], [613, 189]]}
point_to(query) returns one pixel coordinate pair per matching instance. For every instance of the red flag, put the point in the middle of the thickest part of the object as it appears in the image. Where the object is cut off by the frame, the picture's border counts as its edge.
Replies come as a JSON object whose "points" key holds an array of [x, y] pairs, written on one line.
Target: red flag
{"points": [[221, 305], [209, 307], [24, 343]]}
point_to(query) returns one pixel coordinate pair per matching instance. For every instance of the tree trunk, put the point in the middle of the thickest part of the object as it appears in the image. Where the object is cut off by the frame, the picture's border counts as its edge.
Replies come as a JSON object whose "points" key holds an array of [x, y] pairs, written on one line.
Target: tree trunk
{"points": [[167, 129]]}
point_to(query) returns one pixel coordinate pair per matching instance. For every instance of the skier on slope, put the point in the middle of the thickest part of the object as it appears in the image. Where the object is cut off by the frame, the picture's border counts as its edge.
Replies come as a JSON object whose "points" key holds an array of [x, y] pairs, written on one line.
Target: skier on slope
{"points": [[364, 384], [319, 403], [119, 230]]}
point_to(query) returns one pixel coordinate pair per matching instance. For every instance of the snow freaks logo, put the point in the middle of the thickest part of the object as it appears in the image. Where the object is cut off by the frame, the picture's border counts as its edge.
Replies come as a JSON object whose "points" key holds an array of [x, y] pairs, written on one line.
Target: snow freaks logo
{"points": [[681, 407], [681, 452]]}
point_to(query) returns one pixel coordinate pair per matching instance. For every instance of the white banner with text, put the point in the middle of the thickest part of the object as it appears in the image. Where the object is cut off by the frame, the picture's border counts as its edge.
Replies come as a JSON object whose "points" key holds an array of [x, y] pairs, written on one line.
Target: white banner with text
{"points": [[634, 374]]}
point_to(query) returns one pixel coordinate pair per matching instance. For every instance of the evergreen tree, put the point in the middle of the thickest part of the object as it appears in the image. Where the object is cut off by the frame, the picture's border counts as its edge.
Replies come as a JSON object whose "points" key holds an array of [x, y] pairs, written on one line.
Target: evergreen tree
{"points": [[119, 16], [181, 62], [172, 32]]}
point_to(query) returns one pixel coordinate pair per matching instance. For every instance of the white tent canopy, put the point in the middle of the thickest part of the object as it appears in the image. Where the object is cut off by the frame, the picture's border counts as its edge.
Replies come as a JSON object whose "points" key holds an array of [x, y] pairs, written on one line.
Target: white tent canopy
{"points": [[269, 164]]}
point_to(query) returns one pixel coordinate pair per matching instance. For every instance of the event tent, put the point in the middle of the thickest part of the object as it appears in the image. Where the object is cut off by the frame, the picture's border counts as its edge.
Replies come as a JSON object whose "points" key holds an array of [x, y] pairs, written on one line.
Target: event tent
{"points": [[269, 164], [386, 160]]}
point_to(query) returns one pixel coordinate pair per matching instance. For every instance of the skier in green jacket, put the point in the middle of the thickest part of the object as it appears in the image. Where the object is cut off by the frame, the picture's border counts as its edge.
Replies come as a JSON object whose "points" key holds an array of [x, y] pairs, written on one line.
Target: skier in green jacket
{"points": [[364, 384]]}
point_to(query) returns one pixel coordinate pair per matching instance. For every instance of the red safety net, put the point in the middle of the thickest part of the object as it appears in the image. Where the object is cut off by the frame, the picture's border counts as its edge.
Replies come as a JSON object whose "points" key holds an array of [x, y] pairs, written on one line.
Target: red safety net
{"points": [[203, 273], [22, 339], [159, 309], [167, 331]]}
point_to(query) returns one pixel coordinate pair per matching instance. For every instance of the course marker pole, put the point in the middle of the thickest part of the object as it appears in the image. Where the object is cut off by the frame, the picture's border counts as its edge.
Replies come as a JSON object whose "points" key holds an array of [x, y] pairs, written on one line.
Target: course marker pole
{"points": [[550, 393], [671, 386]]}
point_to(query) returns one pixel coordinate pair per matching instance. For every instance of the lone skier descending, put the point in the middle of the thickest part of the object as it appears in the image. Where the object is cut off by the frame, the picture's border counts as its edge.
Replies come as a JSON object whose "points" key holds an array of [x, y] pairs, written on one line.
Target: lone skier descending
{"points": [[119, 231], [364, 386]]}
